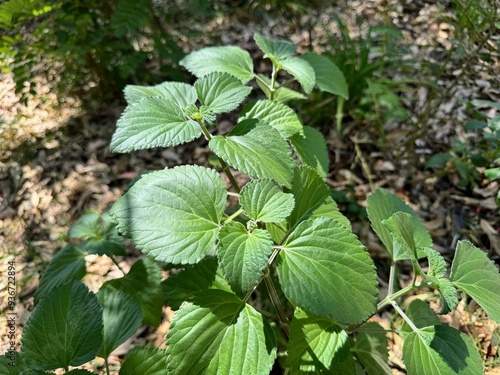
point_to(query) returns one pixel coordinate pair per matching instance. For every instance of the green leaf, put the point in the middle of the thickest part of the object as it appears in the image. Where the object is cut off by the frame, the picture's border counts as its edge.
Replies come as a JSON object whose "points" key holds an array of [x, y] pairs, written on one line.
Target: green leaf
{"points": [[371, 349], [311, 148], [12, 363], [68, 264], [260, 153], [309, 191], [492, 173], [181, 286], [281, 94], [173, 215], [153, 122], [278, 115], [64, 329], [182, 94], [330, 209], [219, 334], [448, 293], [381, 206], [400, 225], [329, 77], [440, 350], [37, 372], [100, 235], [318, 345], [421, 314], [437, 264], [438, 160], [121, 317], [477, 276], [264, 201], [142, 283], [278, 49], [228, 59], [221, 92], [79, 372], [243, 255], [325, 270], [145, 361], [301, 70]]}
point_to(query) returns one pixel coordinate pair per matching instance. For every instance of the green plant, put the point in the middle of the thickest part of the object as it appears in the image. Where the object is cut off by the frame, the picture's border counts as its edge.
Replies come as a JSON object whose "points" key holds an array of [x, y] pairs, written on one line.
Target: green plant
{"points": [[468, 156], [278, 279]]}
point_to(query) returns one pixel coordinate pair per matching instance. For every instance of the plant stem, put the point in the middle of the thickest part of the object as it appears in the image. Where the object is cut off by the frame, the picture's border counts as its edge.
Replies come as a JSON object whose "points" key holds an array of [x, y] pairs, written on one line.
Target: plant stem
{"points": [[236, 214], [273, 80], [387, 300], [107, 365], [340, 115], [404, 316], [392, 272], [273, 294]]}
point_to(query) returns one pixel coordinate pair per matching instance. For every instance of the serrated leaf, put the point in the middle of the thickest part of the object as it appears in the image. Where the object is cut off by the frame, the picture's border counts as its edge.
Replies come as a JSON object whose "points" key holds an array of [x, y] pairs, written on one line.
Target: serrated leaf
{"points": [[437, 264], [381, 205], [281, 94], [278, 115], [221, 92], [67, 264], [264, 201], [64, 329], [145, 361], [260, 153], [180, 93], [181, 286], [153, 122], [421, 314], [370, 348], [173, 215], [142, 283], [278, 49], [324, 269], [121, 317], [449, 298], [400, 225], [311, 148], [220, 334], [441, 350], [309, 191], [477, 276], [318, 345], [330, 209], [301, 70], [228, 59], [12, 363], [243, 255], [329, 77]]}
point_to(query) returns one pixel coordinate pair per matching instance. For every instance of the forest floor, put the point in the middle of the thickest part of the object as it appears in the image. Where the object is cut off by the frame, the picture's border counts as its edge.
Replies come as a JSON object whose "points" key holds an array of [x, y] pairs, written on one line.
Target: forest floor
{"points": [[55, 165]]}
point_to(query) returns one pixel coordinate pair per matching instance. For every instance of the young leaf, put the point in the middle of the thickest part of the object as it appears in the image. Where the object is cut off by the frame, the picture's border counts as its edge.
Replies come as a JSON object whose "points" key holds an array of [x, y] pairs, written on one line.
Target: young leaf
{"points": [[281, 94], [301, 70], [174, 214], [476, 275], [219, 334], [400, 225], [142, 283], [145, 361], [87, 226], [64, 329], [228, 59], [153, 122], [181, 286], [318, 345], [180, 93], [277, 49], [381, 206], [243, 255], [221, 92], [329, 78], [370, 348], [440, 350], [447, 291], [264, 201], [421, 314], [121, 317], [278, 115], [260, 153], [437, 264], [330, 209], [311, 148], [68, 264], [309, 191], [324, 269]]}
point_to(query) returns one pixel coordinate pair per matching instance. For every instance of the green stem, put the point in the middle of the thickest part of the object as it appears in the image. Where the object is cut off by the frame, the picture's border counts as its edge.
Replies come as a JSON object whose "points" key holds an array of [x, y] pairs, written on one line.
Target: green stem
{"points": [[387, 300], [273, 294], [273, 81], [404, 316], [236, 214], [107, 366], [390, 289], [340, 115]]}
